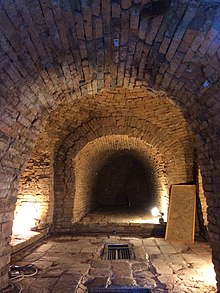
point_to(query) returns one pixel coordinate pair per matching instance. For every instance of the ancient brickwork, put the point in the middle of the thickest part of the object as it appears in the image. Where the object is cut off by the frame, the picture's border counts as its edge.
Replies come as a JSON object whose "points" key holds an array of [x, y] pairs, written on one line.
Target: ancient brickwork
{"points": [[56, 52], [202, 198], [36, 189], [157, 122], [89, 160], [173, 164]]}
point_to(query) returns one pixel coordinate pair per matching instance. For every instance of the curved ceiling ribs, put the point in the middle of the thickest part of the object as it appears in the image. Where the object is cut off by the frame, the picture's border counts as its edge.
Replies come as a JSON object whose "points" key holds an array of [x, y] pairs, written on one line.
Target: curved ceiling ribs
{"points": [[53, 52]]}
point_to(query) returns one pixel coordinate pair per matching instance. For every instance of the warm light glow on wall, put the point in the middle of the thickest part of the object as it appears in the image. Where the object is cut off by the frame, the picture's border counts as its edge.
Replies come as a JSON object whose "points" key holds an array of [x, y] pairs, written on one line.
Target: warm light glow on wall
{"points": [[164, 203], [155, 212], [26, 216]]}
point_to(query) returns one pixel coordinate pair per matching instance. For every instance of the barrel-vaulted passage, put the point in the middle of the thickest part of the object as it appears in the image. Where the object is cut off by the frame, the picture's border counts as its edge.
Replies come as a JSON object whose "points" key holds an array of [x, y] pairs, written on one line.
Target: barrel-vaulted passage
{"points": [[74, 71]]}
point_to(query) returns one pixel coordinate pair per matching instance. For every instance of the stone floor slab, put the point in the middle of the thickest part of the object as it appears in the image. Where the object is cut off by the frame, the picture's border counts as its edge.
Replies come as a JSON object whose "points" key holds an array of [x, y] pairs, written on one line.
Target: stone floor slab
{"points": [[76, 264]]}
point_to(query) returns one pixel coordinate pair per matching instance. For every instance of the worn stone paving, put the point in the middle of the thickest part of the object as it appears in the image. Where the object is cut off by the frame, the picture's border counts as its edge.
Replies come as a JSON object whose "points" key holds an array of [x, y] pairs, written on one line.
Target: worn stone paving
{"points": [[119, 215], [74, 264]]}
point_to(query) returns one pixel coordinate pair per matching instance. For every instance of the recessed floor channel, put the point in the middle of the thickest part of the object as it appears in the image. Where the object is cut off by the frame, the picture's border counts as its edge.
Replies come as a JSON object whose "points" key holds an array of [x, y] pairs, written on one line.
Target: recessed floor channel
{"points": [[118, 251]]}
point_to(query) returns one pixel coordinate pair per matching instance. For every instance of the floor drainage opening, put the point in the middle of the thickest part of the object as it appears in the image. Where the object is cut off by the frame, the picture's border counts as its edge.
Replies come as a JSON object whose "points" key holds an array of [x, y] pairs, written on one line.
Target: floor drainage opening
{"points": [[118, 251]]}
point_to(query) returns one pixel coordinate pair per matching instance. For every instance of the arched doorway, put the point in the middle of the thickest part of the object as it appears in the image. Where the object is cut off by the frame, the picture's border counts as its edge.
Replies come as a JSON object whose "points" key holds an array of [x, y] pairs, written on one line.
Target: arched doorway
{"points": [[123, 181]]}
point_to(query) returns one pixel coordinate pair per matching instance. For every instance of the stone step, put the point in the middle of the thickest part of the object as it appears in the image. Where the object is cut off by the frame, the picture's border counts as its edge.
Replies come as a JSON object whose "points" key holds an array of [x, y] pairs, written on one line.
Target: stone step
{"points": [[144, 229]]}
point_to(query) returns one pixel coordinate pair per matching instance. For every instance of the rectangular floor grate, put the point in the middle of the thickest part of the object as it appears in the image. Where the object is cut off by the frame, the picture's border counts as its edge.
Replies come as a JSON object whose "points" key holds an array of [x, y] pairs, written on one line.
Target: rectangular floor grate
{"points": [[118, 251]]}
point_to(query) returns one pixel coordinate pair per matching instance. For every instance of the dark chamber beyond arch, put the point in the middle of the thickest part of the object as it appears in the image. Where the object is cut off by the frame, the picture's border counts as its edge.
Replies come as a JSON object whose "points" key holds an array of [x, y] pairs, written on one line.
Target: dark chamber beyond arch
{"points": [[124, 181]]}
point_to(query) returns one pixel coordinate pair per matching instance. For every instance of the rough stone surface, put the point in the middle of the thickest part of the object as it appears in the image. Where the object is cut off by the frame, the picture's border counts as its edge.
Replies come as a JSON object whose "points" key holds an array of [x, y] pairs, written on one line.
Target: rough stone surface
{"points": [[65, 266]]}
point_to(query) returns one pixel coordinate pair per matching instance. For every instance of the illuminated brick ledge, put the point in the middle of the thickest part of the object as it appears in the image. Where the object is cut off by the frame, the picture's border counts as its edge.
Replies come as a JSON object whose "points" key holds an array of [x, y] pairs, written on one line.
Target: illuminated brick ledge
{"points": [[22, 244]]}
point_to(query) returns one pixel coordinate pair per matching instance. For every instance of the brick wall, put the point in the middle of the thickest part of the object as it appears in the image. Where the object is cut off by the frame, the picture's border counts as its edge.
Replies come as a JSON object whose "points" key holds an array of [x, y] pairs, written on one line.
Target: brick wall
{"points": [[91, 158], [155, 120], [202, 198], [175, 163], [35, 193]]}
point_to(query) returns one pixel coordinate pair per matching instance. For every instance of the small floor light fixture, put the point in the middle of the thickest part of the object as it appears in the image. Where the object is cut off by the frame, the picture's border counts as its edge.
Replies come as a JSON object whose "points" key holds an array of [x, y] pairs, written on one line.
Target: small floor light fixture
{"points": [[156, 213]]}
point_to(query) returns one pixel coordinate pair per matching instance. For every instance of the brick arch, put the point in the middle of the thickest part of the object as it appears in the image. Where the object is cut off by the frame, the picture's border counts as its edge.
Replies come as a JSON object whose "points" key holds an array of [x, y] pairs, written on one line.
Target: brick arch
{"points": [[155, 119], [65, 66], [96, 153], [74, 182], [159, 142], [174, 151], [55, 53]]}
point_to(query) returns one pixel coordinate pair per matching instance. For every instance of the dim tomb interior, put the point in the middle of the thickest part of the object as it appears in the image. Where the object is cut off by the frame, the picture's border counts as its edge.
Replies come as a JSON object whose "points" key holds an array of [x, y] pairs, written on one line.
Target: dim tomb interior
{"points": [[104, 106]]}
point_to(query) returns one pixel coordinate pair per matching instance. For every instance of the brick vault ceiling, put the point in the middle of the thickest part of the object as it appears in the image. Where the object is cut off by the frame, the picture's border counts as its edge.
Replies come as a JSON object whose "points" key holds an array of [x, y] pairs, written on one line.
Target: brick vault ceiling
{"points": [[145, 107], [53, 52], [55, 55]]}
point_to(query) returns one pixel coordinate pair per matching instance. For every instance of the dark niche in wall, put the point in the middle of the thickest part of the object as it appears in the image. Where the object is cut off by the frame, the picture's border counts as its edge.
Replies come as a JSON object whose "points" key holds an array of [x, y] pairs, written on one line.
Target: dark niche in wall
{"points": [[155, 7], [124, 181]]}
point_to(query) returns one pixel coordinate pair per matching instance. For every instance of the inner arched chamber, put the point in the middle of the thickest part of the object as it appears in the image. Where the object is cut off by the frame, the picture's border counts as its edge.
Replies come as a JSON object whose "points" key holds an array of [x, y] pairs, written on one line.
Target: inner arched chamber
{"points": [[124, 189], [118, 179], [123, 181]]}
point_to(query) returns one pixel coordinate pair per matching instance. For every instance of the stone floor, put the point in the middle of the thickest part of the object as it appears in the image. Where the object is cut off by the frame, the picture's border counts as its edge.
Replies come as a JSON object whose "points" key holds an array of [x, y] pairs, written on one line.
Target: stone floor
{"points": [[120, 215], [74, 264], [125, 217]]}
